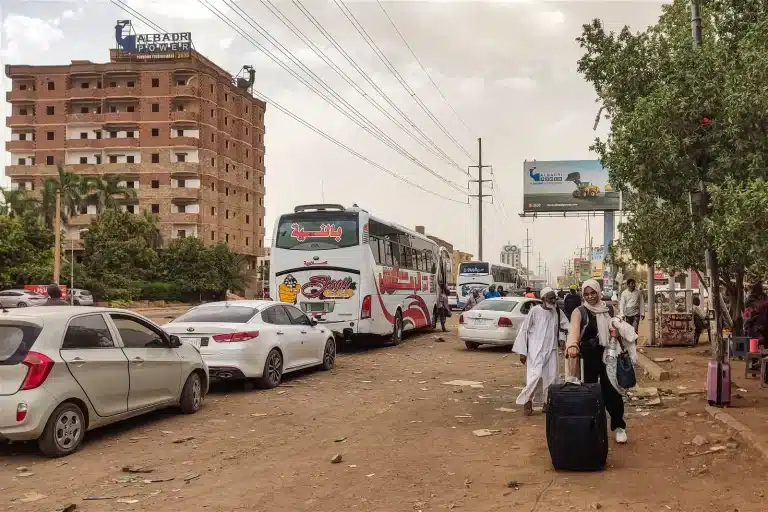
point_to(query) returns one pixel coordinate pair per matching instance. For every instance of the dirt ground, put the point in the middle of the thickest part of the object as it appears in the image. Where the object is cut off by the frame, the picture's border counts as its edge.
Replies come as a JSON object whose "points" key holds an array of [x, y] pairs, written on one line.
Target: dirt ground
{"points": [[407, 445]]}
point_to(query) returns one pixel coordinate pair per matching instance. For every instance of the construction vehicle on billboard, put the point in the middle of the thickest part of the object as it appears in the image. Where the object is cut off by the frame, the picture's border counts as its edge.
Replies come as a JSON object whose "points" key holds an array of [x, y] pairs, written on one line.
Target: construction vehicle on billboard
{"points": [[583, 188]]}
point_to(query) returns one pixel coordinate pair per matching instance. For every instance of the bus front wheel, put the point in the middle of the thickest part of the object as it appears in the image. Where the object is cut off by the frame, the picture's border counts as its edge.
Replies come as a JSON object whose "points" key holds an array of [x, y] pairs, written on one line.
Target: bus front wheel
{"points": [[397, 331]]}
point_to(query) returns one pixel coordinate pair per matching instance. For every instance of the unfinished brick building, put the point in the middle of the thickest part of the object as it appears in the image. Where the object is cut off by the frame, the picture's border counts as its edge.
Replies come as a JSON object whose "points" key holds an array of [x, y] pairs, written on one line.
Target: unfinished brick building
{"points": [[189, 141]]}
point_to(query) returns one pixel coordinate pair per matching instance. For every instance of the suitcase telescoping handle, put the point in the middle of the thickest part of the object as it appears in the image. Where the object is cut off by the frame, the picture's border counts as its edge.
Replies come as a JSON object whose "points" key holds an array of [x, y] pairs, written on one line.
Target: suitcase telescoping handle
{"points": [[568, 372]]}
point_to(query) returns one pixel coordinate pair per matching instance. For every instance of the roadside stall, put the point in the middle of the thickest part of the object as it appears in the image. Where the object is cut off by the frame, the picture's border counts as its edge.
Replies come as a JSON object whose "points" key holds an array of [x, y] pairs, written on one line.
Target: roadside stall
{"points": [[675, 325]]}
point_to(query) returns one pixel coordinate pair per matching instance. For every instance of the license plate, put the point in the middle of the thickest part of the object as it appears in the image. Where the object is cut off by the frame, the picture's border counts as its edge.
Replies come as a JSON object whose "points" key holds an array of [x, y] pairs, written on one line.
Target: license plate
{"points": [[197, 342], [481, 321]]}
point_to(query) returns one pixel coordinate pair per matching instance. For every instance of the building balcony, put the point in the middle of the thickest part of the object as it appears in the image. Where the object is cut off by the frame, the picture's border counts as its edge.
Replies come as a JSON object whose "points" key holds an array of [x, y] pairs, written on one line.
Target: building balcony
{"points": [[185, 90], [121, 92], [20, 145], [84, 143], [120, 117], [78, 93], [182, 218], [184, 142], [85, 118], [19, 95], [19, 120], [123, 142], [184, 115], [178, 193], [123, 169], [82, 220], [13, 171]]}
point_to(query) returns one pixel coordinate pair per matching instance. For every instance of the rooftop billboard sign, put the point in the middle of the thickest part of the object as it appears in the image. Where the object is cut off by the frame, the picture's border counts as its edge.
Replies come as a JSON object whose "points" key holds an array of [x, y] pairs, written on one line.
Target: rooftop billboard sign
{"points": [[170, 43]]}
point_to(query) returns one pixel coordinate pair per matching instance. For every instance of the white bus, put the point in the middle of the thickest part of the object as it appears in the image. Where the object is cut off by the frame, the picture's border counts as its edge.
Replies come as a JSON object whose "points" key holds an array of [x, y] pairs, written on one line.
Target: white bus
{"points": [[481, 275], [355, 273]]}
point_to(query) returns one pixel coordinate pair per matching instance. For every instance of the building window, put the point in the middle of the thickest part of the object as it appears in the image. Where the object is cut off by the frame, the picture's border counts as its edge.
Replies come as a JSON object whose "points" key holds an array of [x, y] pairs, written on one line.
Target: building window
{"points": [[213, 113], [49, 135], [226, 167], [113, 84], [213, 162], [246, 153], [226, 120], [246, 109], [213, 210], [247, 197], [246, 130], [155, 183], [182, 233], [180, 133], [155, 107], [113, 159], [181, 157], [130, 208], [226, 191], [98, 110], [22, 161], [22, 111], [50, 110], [130, 159], [129, 108], [98, 135], [98, 159], [49, 160], [211, 87], [226, 97], [155, 82], [226, 237], [226, 214], [112, 135], [83, 159], [84, 85], [130, 83], [130, 184], [155, 208], [213, 187], [261, 180], [246, 174], [182, 208], [213, 138], [51, 86], [247, 219], [113, 109], [213, 235], [22, 136], [83, 135], [247, 241], [182, 183], [84, 110], [155, 158], [155, 132]]}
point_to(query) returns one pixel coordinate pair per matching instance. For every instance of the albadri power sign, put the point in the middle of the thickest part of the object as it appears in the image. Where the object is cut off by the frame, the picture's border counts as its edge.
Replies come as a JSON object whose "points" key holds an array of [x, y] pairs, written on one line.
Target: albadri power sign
{"points": [[129, 42]]}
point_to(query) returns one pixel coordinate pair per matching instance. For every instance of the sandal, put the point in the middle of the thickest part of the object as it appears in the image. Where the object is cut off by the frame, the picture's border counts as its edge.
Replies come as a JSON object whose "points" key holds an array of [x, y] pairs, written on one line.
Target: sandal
{"points": [[528, 409]]}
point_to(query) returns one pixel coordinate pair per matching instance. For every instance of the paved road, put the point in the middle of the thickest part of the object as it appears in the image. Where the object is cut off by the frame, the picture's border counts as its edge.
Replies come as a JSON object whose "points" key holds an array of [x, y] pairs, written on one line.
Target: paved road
{"points": [[407, 446]]}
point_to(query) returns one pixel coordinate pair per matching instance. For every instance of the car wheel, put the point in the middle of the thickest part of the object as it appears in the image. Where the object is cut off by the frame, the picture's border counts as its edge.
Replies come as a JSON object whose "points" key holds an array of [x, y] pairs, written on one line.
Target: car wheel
{"points": [[471, 345], [397, 331], [273, 370], [64, 431], [21, 305], [192, 394], [329, 355]]}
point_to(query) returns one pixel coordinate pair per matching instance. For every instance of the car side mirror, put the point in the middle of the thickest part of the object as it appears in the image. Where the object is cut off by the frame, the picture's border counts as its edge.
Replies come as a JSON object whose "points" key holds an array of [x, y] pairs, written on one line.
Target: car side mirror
{"points": [[312, 322], [175, 341]]}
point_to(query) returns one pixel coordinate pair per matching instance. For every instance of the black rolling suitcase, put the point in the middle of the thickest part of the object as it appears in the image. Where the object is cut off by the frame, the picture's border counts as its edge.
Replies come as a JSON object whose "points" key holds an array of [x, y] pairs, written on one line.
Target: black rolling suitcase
{"points": [[577, 430]]}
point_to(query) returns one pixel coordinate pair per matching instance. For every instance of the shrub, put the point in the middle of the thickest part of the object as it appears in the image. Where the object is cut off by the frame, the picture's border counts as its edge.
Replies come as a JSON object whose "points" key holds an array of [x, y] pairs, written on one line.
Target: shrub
{"points": [[158, 290]]}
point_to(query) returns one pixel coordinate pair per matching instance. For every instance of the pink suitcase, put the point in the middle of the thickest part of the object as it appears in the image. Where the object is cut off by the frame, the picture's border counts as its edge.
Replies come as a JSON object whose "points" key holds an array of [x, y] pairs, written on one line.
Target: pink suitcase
{"points": [[719, 383]]}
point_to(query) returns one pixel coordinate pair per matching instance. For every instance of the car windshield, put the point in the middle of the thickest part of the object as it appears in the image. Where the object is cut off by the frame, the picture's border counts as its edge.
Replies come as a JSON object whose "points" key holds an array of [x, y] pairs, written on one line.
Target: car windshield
{"points": [[225, 314], [506, 306]]}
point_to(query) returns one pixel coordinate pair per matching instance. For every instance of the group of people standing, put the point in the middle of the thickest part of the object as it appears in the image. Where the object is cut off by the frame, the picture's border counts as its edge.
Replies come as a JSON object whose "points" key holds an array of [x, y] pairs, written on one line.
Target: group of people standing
{"points": [[587, 328]]}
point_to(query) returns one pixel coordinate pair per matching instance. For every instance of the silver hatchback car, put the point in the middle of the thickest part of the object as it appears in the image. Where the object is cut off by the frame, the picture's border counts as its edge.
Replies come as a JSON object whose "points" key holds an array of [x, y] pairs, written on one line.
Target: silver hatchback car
{"points": [[65, 370]]}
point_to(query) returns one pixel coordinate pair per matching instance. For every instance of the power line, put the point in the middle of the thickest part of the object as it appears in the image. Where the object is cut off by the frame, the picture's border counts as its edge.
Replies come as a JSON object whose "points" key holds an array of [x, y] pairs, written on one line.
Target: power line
{"points": [[130, 10], [275, 10], [367, 38], [362, 123], [392, 22], [307, 14], [323, 134]]}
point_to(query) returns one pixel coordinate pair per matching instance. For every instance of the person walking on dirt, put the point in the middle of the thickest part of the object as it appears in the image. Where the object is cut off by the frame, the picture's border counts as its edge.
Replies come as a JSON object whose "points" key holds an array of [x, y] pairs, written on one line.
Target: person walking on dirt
{"points": [[537, 344], [590, 334], [631, 305], [443, 308], [571, 302]]}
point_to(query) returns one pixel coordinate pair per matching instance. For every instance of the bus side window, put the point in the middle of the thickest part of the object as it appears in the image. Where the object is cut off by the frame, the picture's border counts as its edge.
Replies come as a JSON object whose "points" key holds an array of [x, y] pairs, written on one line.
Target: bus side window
{"points": [[375, 246], [407, 257]]}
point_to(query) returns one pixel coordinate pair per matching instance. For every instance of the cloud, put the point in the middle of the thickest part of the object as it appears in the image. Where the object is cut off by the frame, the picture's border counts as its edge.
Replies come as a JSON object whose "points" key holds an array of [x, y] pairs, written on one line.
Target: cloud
{"points": [[226, 43], [28, 33], [549, 19], [68, 14], [178, 9], [520, 83]]}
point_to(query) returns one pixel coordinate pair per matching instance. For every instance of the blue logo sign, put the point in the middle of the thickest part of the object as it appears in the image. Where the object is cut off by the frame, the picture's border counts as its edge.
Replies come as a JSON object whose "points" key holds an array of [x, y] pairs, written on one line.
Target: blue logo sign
{"points": [[544, 177], [130, 42]]}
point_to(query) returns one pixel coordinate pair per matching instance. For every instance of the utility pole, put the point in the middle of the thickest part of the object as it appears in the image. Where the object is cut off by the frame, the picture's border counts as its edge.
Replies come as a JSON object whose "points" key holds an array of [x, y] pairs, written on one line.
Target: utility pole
{"points": [[57, 238], [538, 266], [710, 257], [479, 196], [527, 258]]}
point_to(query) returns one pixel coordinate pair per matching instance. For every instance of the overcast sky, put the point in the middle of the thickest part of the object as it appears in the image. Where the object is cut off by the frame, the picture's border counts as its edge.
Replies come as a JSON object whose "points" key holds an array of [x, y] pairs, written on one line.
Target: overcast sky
{"points": [[507, 68]]}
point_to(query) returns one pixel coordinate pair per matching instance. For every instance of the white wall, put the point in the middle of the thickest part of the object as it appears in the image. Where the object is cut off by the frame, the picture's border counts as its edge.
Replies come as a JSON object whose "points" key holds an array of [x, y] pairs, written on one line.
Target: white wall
{"points": [[121, 82], [189, 208], [187, 133], [73, 157], [77, 83], [121, 134], [191, 229], [16, 185], [26, 156], [16, 134], [74, 131], [191, 155], [188, 183], [122, 156]]}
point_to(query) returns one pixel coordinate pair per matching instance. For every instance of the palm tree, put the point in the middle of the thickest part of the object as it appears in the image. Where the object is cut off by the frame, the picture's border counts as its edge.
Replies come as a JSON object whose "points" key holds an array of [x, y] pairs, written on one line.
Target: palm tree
{"points": [[70, 187], [18, 202], [107, 191]]}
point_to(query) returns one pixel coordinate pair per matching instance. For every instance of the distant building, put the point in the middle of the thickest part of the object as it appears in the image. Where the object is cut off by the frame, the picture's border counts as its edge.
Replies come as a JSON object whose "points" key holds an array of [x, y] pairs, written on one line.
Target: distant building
{"points": [[510, 255], [458, 257]]}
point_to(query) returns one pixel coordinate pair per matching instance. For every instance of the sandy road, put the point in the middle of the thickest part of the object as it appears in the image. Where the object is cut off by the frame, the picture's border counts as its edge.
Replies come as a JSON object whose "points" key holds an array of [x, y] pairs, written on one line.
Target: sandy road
{"points": [[408, 446]]}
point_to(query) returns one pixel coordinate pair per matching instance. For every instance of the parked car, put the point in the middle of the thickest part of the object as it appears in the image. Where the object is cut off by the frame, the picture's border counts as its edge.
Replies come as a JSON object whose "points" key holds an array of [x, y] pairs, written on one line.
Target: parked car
{"points": [[67, 370], [21, 298], [81, 297], [494, 321], [255, 340]]}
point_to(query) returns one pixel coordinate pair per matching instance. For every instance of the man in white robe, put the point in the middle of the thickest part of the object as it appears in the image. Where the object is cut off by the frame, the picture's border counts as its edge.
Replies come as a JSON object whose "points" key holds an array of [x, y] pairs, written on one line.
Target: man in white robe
{"points": [[536, 343]]}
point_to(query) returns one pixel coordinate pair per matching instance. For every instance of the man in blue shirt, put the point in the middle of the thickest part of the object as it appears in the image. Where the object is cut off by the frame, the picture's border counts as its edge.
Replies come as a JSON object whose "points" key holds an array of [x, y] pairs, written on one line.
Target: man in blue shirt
{"points": [[492, 293]]}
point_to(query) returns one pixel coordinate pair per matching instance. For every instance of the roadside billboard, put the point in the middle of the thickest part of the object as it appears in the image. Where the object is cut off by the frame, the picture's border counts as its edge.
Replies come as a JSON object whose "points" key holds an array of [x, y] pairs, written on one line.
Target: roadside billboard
{"points": [[567, 186], [42, 289]]}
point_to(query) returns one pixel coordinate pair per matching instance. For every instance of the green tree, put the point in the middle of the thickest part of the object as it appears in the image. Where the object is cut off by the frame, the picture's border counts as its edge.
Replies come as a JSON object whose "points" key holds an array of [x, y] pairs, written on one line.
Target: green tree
{"points": [[107, 191], [26, 250], [120, 249], [71, 187], [187, 263], [18, 202]]}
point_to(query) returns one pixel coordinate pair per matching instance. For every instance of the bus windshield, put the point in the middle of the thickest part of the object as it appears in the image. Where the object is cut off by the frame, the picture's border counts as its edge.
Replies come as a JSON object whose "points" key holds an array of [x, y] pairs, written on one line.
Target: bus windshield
{"points": [[474, 268], [317, 231]]}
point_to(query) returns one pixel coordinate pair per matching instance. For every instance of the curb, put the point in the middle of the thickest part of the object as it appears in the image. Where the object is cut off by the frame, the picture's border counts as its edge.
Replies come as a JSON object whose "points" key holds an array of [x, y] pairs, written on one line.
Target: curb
{"points": [[744, 431], [654, 370]]}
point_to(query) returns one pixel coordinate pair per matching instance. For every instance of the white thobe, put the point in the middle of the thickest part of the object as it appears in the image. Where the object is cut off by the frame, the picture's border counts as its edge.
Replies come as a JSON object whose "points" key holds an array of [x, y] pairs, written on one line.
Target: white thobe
{"points": [[537, 340]]}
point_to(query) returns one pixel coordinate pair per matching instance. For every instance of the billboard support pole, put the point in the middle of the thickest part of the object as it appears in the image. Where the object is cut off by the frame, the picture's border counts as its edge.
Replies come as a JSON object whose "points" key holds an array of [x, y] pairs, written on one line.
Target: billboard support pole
{"points": [[479, 196]]}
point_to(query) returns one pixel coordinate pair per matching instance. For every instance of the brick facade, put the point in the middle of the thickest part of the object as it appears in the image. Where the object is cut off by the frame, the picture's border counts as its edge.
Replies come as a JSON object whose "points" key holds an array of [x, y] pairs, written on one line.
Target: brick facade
{"points": [[158, 123]]}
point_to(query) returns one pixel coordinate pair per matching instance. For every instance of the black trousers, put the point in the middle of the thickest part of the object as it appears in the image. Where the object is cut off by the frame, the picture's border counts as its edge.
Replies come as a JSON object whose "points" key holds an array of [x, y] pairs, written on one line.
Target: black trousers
{"points": [[594, 369]]}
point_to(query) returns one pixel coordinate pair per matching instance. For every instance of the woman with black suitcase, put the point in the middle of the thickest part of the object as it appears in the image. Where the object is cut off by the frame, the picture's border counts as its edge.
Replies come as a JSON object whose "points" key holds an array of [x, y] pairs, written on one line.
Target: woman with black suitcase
{"points": [[590, 333]]}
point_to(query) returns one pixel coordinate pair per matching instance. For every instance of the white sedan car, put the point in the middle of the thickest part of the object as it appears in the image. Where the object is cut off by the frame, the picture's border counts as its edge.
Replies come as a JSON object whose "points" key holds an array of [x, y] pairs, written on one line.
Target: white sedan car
{"points": [[494, 321], [257, 340]]}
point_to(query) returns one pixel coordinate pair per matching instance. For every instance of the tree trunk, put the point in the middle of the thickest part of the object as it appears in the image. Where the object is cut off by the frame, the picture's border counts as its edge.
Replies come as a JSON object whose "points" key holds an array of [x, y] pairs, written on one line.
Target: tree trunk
{"points": [[737, 305]]}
